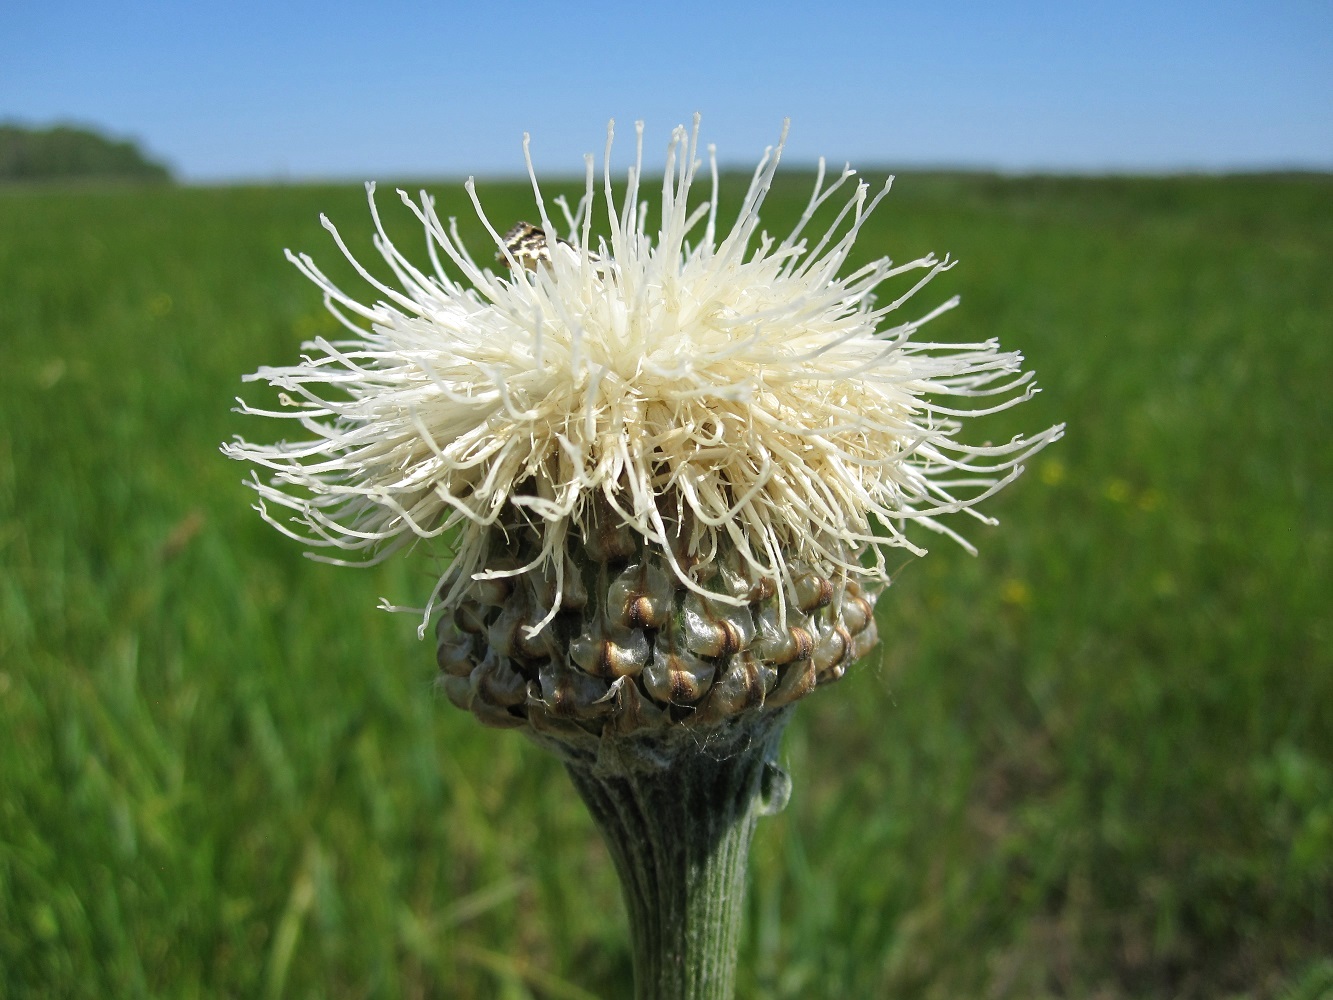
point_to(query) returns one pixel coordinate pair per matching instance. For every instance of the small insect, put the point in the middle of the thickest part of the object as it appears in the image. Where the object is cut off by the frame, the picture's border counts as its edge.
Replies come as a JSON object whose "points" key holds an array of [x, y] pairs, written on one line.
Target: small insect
{"points": [[529, 246]]}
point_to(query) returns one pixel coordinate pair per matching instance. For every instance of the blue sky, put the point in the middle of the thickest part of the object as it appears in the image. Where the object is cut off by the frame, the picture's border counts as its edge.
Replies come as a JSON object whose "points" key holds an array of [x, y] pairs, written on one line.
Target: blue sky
{"points": [[249, 90]]}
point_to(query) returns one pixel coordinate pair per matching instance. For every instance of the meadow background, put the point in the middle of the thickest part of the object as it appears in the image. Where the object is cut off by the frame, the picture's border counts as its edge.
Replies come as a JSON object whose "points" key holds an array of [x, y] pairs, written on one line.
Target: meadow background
{"points": [[1095, 761]]}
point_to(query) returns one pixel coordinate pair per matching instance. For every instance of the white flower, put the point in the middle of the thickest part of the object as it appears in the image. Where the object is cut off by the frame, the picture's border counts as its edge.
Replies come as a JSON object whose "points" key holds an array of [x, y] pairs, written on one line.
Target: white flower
{"points": [[741, 391]]}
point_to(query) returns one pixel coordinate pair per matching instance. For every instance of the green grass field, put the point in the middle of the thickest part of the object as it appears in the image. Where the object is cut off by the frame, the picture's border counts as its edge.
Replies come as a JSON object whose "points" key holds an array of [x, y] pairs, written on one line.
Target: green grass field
{"points": [[1096, 761]]}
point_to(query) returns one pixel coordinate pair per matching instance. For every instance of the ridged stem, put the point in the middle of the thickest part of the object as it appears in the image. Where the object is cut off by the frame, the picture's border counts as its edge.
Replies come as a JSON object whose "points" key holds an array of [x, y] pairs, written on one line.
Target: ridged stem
{"points": [[677, 811]]}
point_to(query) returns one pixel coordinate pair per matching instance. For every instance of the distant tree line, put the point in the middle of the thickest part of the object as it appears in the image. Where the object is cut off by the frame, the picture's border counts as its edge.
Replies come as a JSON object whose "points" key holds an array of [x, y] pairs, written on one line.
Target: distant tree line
{"points": [[67, 153]]}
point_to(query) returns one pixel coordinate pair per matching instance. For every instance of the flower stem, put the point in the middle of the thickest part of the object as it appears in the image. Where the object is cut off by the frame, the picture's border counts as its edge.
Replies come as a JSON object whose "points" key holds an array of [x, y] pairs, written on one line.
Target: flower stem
{"points": [[677, 810]]}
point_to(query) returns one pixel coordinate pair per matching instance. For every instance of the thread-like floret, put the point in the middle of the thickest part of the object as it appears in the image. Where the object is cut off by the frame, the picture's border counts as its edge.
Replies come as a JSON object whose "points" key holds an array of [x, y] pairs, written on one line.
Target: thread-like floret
{"points": [[675, 390]]}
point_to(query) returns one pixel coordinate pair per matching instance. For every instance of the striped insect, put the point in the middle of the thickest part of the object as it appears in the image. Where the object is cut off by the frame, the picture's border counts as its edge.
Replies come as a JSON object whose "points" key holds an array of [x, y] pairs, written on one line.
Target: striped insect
{"points": [[529, 246]]}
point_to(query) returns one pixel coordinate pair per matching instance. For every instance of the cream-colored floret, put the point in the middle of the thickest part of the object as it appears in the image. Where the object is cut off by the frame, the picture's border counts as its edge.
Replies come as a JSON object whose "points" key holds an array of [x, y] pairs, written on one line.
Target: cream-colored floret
{"points": [[741, 387]]}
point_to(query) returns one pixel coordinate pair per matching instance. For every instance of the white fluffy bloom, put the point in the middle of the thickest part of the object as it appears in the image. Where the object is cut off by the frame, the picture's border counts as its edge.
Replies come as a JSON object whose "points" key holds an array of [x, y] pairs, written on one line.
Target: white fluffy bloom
{"points": [[736, 393]]}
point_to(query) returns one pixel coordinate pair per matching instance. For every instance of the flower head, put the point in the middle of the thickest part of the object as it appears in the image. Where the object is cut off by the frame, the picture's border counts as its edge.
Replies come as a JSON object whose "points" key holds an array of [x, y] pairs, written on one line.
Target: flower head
{"points": [[722, 397]]}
